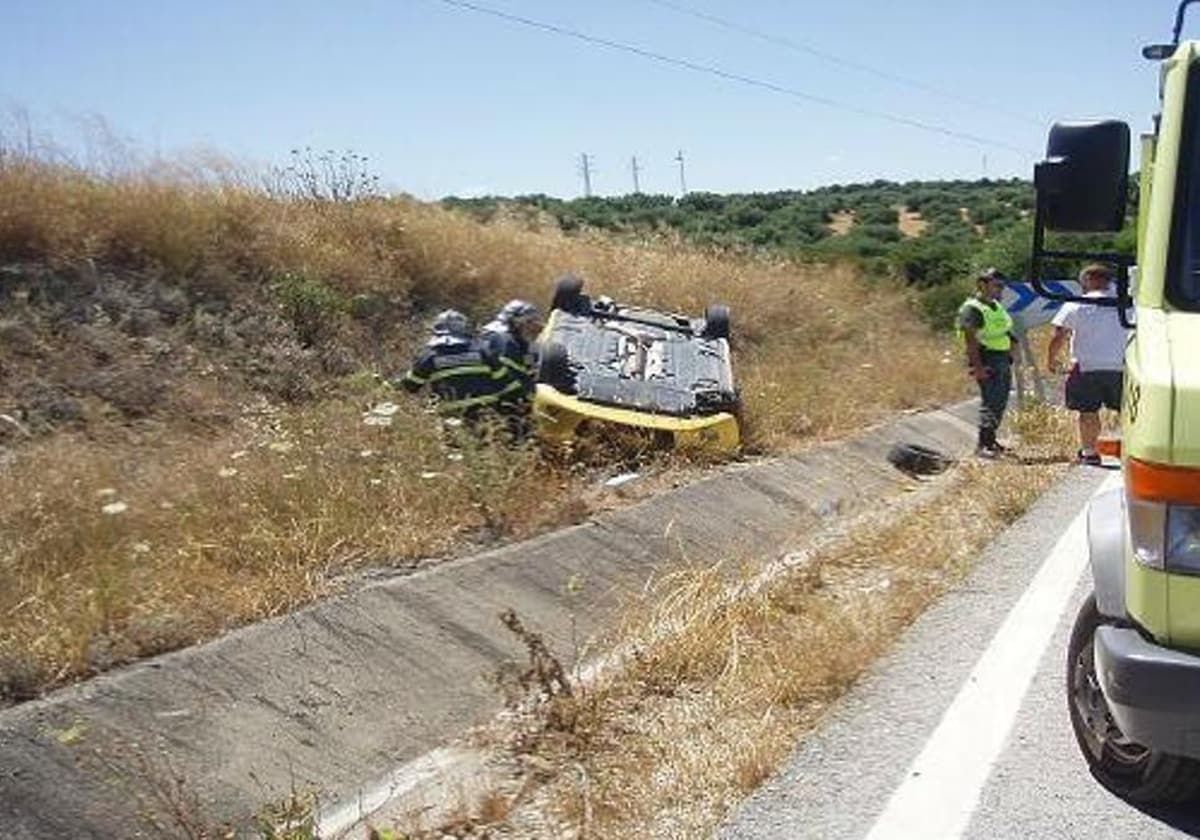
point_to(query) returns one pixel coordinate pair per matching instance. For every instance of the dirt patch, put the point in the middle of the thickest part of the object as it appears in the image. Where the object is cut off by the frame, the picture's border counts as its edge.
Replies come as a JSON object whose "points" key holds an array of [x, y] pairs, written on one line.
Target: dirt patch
{"points": [[911, 223], [841, 222]]}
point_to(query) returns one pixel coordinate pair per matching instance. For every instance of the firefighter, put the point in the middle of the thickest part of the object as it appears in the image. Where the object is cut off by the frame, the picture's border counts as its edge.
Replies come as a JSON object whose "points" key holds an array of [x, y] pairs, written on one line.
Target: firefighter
{"points": [[511, 338], [460, 372]]}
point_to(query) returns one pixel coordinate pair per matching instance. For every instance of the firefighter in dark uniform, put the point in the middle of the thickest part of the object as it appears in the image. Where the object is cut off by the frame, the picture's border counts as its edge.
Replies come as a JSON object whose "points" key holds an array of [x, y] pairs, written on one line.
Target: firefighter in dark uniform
{"points": [[511, 340], [461, 373], [511, 337]]}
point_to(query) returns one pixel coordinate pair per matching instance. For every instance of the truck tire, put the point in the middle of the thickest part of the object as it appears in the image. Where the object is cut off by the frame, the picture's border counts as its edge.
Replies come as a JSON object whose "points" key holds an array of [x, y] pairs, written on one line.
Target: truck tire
{"points": [[1128, 769], [568, 293], [716, 321]]}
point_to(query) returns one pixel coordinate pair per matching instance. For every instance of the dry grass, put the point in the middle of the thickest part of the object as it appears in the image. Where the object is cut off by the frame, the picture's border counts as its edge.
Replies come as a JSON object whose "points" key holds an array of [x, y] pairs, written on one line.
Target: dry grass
{"points": [[699, 719], [206, 535], [210, 538]]}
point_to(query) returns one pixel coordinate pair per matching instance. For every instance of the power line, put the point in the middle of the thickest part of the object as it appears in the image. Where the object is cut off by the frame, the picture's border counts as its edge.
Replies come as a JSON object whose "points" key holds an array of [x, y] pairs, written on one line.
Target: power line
{"points": [[842, 61], [737, 77]]}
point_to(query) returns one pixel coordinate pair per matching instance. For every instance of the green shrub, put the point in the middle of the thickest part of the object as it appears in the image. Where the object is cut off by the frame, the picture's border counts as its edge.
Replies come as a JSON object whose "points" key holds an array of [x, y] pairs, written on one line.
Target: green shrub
{"points": [[311, 306]]}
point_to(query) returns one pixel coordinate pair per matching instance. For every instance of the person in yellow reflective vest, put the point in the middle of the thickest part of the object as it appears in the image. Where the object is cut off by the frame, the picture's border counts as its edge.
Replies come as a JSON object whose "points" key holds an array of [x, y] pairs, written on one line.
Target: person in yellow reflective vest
{"points": [[985, 328]]}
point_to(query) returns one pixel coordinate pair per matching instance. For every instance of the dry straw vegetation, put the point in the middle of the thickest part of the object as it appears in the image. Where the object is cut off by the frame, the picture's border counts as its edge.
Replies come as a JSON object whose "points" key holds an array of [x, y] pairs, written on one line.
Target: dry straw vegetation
{"points": [[187, 359]]}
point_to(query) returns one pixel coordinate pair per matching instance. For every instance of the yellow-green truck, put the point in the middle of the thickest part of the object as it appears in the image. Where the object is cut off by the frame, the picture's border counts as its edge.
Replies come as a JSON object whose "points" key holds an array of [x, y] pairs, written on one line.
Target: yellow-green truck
{"points": [[1133, 663]]}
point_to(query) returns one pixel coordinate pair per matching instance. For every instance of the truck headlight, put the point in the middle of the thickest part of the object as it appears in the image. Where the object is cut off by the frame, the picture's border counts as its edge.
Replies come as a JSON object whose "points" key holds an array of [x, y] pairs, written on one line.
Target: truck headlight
{"points": [[1182, 547], [1147, 531], [1164, 516]]}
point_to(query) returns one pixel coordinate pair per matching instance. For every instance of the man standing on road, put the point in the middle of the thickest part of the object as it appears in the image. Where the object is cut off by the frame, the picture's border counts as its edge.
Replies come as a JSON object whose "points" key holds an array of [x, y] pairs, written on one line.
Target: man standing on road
{"points": [[1097, 357], [985, 328]]}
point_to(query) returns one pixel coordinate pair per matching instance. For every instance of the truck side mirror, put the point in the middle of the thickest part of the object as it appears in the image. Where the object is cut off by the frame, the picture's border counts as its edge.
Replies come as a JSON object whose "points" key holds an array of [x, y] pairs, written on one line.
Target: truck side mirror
{"points": [[1083, 183]]}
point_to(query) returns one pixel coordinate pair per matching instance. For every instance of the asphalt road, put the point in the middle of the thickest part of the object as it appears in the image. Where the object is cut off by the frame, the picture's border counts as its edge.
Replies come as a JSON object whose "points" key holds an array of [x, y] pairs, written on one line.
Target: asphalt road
{"points": [[962, 731]]}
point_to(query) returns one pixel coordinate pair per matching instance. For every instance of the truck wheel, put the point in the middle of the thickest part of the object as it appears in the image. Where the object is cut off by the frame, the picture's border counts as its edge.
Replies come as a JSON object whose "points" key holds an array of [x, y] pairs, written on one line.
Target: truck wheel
{"points": [[716, 321], [568, 293], [554, 368], [1128, 769]]}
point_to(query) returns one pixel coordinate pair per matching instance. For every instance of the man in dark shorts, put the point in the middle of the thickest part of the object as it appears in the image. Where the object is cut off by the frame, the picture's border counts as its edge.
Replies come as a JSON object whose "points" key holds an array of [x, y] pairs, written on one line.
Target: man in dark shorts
{"points": [[1097, 357]]}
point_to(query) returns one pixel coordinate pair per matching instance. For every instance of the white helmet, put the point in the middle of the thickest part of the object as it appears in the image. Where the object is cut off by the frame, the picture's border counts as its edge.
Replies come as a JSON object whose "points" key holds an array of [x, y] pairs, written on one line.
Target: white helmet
{"points": [[451, 322]]}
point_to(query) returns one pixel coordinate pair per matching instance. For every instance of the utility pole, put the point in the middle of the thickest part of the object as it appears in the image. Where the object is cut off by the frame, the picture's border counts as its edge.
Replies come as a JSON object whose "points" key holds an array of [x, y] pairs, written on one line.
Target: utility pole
{"points": [[985, 166], [585, 168], [682, 177], [637, 188]]}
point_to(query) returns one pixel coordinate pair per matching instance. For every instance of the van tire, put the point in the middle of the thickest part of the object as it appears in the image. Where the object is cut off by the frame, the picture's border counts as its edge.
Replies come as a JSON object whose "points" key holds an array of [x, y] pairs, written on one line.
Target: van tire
{"points": [[1133, 772]]}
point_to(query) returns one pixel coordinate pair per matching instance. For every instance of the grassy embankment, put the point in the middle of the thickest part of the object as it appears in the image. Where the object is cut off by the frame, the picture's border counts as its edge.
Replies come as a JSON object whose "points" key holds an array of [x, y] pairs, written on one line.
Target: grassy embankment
{"points": [[185, 363]]}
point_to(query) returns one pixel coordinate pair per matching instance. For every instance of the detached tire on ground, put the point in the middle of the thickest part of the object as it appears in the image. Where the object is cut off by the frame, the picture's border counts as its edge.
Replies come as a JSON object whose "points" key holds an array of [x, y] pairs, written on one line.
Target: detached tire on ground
{"points": [[716, 321], [914, 459], [1128, 769], [568, 293], [554, 368]]}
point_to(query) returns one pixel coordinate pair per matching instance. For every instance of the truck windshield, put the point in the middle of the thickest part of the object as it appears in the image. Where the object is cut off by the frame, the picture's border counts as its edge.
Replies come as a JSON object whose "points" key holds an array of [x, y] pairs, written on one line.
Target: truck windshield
{"points": [[1183, 266]]}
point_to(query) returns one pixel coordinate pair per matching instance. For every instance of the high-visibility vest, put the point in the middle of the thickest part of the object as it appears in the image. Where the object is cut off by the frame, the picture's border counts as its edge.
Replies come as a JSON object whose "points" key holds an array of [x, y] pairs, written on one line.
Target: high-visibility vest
{"points": [[996, 329]]}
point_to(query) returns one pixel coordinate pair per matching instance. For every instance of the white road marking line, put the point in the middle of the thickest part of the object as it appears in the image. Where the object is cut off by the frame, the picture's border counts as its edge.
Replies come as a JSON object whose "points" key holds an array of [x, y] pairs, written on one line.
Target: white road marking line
{"points": [[942, 786]]}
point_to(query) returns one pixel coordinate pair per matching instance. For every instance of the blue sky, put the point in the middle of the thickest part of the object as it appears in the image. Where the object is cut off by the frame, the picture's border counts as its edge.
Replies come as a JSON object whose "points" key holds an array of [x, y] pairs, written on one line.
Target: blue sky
{"points": [[447, 101]]}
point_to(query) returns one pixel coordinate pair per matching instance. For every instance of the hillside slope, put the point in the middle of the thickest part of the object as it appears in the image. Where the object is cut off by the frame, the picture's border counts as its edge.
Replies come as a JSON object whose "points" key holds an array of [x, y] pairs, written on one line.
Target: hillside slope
{"points": [[185, 364]]}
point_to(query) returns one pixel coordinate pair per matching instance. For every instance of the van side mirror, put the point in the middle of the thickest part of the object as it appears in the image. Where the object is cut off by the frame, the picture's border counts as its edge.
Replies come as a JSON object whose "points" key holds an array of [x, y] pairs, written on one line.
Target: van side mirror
{"points": [[1083, 183]]}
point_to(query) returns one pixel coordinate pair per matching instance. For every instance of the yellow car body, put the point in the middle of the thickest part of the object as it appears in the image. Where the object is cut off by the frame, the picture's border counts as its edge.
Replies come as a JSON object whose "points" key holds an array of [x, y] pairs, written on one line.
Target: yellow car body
{"points": [[560, 416]]}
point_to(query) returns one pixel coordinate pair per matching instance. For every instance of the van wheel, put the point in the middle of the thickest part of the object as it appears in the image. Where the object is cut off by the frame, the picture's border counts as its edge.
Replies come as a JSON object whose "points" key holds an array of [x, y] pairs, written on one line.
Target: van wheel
{"points": [[1125, 767]]}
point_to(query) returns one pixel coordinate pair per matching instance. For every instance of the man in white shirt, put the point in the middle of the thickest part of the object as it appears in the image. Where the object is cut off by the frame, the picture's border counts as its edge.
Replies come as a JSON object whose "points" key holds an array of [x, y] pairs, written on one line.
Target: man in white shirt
{"points": [[1097, 356]]}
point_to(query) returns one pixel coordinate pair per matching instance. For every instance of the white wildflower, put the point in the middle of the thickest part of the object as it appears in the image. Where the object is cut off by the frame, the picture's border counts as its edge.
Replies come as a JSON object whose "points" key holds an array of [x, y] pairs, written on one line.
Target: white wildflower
{"points": [[114, 508], [106, 492], [241, 453], [227, 472]]}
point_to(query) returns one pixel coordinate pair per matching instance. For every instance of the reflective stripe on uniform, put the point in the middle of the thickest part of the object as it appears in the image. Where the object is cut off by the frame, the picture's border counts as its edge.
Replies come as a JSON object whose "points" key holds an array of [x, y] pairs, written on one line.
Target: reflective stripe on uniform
{"points": [[465, 370], [451, 406], [519, 368]]}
